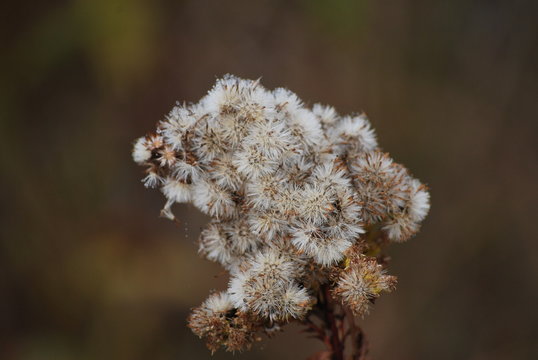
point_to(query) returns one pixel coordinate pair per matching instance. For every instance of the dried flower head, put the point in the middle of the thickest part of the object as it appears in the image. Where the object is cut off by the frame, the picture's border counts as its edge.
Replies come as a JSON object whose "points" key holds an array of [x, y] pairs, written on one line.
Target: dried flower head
{"points": [[298, 199], [219, 324], [361, 282], [269, 287]]}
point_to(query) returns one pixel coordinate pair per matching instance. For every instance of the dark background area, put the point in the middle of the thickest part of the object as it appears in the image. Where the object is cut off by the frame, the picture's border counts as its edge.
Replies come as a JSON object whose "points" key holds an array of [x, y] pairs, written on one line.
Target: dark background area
{"points": [[89, 271]]}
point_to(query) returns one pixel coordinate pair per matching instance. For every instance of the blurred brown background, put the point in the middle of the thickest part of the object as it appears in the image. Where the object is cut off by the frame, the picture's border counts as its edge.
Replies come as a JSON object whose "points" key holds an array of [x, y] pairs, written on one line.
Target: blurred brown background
{"points": [[89, 271]]}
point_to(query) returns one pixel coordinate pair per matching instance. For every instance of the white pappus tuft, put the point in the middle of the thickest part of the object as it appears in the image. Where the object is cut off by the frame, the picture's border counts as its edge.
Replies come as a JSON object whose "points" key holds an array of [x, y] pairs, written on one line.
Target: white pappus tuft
{"points": [[177, 191], [268, 288], [316, 243], [213, 200], [141, 153], [354, 133], [326, 114]]}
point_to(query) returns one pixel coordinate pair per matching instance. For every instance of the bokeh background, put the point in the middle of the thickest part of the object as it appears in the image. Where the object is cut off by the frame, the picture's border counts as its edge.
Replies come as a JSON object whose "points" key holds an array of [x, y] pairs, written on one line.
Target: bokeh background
{"points": [[89, 271]]}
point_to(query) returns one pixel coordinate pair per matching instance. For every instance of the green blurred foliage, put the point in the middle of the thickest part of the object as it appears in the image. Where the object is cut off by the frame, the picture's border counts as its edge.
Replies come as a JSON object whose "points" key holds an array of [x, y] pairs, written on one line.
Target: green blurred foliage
{"points": [[339, 17], [106, 32]]}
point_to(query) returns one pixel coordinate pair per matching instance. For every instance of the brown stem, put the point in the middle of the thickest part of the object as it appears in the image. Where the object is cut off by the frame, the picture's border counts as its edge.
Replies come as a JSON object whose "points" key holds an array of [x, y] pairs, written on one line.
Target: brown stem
{"points": [[337, 329], [320, 333], [358, 340], [337, 345]]}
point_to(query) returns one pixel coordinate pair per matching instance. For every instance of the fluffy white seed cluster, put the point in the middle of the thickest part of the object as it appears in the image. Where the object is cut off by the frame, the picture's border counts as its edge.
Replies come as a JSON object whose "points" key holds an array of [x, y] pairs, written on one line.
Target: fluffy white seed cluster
{"points": [[293, 192]]}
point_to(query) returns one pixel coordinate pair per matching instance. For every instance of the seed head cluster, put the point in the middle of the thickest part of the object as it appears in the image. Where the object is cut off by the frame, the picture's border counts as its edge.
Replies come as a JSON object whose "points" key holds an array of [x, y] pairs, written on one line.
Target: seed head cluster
{"points": [[295, 195]]}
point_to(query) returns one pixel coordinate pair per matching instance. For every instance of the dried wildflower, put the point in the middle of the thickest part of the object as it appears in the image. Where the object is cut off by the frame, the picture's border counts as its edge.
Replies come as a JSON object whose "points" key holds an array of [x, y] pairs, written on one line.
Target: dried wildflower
{"points": [[269, 289], [141, 151], [318, 244], [359, 284], [302, 202], [177, 191], [220, 324]]}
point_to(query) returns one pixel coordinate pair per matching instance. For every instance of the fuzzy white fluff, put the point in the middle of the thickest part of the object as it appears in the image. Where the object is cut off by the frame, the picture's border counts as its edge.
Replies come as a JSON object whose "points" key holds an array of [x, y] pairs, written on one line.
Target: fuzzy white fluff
{"points": [[141, 153], [177, 191], [315, 243]]}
